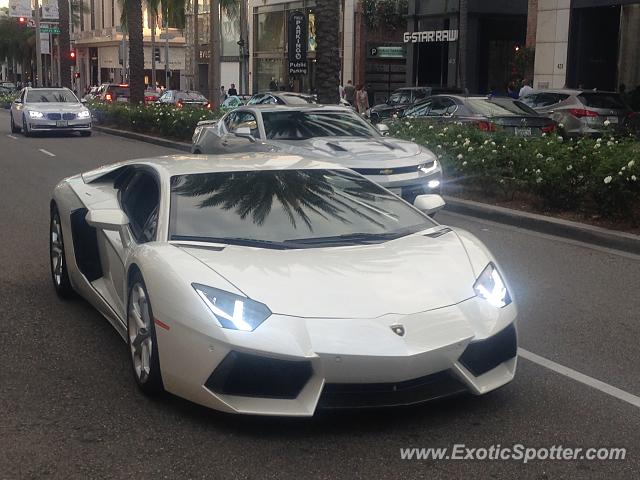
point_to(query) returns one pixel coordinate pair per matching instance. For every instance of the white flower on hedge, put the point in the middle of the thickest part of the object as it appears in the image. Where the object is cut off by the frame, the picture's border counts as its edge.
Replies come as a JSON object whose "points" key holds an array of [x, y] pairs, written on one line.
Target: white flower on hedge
{"points": [[459, 135], [430, 127], [544, 134], [486, 142], [634, 178], [526, 170], [493, 144], [539, 180], [410, 126], [560, 139], [464, 164], [584, 157], [539, 155], [460, 156], [623, 169], [597, 145], [569, 168], [607, 123], [445, 129], [470, 149], [407, 123], [538, 171], [609, 144], [631, 163], [549, 159], [483, 160], [561, 125], [455, 144], [608, 179], [599, 140], [502, 180], [494, 151], [439, 146]]}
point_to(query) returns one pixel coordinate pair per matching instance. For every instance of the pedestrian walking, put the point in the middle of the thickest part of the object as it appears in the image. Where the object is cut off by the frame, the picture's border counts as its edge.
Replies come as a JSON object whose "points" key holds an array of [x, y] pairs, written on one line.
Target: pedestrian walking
{"points": [[350, 93], [362, 100], [223, 94], [526, 88], [232, 90]]}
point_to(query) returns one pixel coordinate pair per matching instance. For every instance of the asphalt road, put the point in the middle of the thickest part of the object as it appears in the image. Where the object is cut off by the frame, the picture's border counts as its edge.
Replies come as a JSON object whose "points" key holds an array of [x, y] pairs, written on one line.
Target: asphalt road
{"points": [[69, 407]]}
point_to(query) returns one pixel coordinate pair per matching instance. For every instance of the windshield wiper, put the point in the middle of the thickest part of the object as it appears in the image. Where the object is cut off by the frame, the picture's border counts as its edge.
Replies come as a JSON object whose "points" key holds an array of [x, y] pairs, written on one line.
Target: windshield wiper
{"points": [[240, 241]]}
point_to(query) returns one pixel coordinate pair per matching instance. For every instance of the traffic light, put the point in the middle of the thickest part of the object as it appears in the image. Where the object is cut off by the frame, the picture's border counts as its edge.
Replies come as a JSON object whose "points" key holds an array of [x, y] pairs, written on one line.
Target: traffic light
{"points": [[22, 21], [76, 74], [156, 54], [72, 57]]}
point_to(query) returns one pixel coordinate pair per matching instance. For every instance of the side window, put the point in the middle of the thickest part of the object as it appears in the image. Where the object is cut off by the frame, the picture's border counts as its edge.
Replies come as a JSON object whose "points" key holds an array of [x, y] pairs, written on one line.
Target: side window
{"points": [[229, 121], [547, 99], [530, 100], [140, 200], [419, 110], [247, 119], [441, 107]]}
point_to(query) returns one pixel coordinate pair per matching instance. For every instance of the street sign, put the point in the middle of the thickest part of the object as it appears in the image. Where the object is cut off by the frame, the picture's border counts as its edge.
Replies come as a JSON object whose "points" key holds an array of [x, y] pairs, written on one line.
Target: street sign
{"points": [[20, 8], [54, 30], [387, 51], [167, 36], [297, 45]]}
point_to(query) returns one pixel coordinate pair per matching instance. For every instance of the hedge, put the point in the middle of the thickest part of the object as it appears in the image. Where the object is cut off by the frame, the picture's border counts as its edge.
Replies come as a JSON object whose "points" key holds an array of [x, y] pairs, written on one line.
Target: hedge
{"points": [[586, 175]]}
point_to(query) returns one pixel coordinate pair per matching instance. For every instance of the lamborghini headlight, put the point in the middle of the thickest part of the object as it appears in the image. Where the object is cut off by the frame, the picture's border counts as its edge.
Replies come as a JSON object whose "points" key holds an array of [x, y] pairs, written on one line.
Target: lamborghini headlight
{"points": [[84, 114], [491, 287], [233, 311], [34, 114]]}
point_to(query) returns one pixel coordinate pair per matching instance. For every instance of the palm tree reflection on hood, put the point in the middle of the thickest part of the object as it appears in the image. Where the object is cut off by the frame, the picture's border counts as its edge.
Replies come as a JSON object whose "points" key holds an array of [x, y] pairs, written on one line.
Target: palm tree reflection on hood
{"points": [[300, 192]]}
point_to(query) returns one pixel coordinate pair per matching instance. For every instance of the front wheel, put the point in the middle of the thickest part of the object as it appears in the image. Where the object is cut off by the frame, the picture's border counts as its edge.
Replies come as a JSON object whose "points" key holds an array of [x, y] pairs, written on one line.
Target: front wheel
{"points": [[25, 128], [85, 134], [14, 127], [58, 260], [142, 339]]}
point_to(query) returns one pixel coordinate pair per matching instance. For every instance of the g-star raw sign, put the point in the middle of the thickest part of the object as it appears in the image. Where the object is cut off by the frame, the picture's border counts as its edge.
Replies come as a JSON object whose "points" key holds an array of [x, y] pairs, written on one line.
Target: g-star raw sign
{"points": [[298, 43], [431, 36]]}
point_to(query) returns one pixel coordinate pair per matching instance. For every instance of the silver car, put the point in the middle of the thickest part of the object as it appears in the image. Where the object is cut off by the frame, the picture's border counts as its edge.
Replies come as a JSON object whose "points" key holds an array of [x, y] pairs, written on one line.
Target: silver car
{"points": [[582, 112], [48, 110], [334, 132]]}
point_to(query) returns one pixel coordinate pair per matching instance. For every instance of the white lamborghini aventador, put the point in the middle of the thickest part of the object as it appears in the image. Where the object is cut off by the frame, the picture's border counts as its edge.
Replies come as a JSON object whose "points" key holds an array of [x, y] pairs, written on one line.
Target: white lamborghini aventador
{"points": [[272, 284]]}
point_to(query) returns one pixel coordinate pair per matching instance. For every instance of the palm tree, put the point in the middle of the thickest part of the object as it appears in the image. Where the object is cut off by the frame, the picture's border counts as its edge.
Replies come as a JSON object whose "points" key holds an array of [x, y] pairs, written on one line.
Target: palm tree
{"points": [[131, 22], [17, 44], [462, 43], [214, 53], [196, 45], [328, 62], [64, 44], [153, 6]]}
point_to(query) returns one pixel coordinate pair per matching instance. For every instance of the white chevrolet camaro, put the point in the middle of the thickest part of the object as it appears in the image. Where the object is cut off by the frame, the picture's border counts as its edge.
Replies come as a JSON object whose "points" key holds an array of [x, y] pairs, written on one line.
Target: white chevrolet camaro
{"points": [[272, 284], [49, 110]]}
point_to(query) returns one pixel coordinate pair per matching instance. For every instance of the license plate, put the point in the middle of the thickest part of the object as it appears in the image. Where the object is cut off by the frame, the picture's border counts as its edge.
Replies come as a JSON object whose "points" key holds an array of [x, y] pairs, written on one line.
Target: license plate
{"points": [[523, 132], [62, 123], [613, 119], [122, 99]]}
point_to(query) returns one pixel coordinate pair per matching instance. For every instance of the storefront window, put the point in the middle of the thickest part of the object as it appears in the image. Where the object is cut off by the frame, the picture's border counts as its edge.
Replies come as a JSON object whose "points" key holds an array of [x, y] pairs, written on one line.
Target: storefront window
{"points": [[268, 72], [230, 35], [270, 28]]}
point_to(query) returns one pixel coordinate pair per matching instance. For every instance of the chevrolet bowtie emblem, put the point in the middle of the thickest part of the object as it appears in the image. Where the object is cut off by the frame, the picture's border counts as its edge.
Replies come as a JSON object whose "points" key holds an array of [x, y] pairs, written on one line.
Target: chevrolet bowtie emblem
{"points": [[386, 171], [398, 330]]}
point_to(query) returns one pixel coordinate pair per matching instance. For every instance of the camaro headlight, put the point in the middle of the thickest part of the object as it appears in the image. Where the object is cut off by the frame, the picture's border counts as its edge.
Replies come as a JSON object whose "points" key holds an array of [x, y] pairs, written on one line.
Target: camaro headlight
{"points": [[428, 167], [34, 114], [84, 114], [491, 287], [233, 311]]}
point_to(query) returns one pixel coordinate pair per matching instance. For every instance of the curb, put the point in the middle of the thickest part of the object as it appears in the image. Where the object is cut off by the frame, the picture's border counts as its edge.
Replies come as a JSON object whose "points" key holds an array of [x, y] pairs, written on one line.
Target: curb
{"points": [[603, 237], [141, 137]]}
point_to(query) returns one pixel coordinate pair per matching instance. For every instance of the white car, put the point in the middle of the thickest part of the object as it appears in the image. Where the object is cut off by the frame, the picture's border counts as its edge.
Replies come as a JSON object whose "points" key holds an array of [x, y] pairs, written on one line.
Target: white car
{"points": [[336, 133], [49, 110], [273, 284]]}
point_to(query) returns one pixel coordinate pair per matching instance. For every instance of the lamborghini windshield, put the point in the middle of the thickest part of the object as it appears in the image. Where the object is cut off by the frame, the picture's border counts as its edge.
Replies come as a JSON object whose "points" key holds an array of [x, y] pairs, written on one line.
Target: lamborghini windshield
{"points": [[288, 209]]}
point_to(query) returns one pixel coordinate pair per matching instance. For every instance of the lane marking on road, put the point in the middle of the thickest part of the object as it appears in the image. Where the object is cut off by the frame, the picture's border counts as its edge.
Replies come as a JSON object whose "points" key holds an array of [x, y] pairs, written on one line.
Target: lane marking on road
{"points": [[12, 137], [46, 152], [580, 377], [546, 236]]}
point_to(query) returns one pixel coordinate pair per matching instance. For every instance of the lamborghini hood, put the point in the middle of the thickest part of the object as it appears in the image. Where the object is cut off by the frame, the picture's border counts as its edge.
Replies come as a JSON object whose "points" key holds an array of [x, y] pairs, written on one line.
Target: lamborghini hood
{"points": [[412, 274]]}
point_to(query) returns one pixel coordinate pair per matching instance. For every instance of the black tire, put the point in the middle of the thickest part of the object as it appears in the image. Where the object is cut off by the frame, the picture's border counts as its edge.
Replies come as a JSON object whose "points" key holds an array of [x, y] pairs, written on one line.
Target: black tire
{"points": [[59, 274], [150, 383], [14, 127], [85, 134], [25, 129]]}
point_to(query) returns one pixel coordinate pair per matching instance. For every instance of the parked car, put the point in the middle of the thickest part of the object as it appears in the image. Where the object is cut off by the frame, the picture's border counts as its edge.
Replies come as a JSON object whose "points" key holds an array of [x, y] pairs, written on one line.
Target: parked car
{"points": [[233, 101], [269, 284], [281, 98], [583, 112], [9, 86], [334, 132], [49, 110], [184, 98], [397, 102], [151, 96], [487, 113], [91, 94]]}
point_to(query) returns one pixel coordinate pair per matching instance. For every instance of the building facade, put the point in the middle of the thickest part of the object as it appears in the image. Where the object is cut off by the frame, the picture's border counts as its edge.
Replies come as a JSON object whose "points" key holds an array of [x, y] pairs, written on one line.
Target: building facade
{"points": [[588, 44], [102, 51]]}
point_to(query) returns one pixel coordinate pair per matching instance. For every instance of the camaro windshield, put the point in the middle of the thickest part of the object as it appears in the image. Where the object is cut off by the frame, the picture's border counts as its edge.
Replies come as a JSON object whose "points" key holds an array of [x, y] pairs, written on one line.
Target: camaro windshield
{"points": [[292, 125], [288, 209], [51, 96]]}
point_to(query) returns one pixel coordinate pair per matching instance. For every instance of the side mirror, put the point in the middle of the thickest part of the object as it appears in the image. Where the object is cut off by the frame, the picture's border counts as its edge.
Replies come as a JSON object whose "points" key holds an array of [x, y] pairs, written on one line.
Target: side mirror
{"points": [[383, 129], [244, 132], [114, 220], [83, 100], [429, 204], [17, 101]]}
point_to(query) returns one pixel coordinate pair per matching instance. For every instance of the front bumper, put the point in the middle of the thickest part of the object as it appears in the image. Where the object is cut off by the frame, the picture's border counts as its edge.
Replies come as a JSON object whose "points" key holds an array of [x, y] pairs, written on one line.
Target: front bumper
{"points": [[410, 185], [334, 363], [46, 125]]}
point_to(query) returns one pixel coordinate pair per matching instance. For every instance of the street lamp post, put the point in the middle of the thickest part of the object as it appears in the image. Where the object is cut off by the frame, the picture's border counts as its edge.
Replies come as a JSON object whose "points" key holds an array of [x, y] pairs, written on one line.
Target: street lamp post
{"points": [[38, 80]]}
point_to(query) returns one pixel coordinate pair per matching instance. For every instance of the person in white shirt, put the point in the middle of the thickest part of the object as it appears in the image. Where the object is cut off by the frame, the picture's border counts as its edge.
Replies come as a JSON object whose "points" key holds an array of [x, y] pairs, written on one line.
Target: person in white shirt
{"points": [[526, 88]]}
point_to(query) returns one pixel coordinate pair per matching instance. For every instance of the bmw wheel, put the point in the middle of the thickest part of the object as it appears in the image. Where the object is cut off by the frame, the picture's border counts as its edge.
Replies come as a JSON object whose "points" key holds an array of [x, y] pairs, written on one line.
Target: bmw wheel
{"points": [[25, 128], [141, 337], [14, 127], [58, 261]]}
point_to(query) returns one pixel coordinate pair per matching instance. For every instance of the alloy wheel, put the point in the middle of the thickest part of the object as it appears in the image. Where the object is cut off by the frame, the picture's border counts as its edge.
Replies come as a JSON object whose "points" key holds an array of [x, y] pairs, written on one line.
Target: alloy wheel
{"points": [[140, 338], [57, 255]]}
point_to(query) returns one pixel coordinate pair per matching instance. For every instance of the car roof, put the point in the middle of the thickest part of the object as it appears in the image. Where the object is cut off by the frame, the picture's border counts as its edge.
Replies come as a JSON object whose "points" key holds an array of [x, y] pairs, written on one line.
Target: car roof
{"points": [[171, 165], [292, 108]]}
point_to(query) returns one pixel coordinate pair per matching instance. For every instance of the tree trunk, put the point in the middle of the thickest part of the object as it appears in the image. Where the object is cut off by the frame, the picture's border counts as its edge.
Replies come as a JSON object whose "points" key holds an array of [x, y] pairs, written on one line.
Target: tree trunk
{"points": [[196, 46], [214, 53], [328, 56], [136, 53], [64, 44], [154, 22], [462, 44]]}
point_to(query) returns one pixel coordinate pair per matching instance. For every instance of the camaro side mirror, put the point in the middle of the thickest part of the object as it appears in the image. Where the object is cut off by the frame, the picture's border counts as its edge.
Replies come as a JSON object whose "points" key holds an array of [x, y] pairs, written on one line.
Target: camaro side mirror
{"points": [[114, 220], [429, 204], [383, 129], [244, 132], [83, 100]]}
